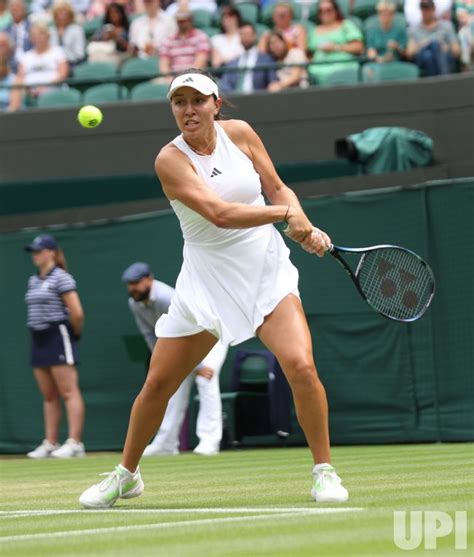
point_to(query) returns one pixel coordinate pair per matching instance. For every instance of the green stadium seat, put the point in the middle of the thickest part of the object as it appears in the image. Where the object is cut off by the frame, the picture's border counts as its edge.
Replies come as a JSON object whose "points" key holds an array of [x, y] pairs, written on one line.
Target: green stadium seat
{"points": [[95, 71], [105, 92], [248, 11], [392, 71], [348, 76], [92, 25], [211, 31], [149, 91], [364, 8], [357, 22], [59, 97], [202, 18], [140, 67], [261, 29]]}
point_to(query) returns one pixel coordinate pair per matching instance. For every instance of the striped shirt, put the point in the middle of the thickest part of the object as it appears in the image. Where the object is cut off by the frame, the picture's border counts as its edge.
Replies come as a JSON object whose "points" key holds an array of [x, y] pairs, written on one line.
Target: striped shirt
{"points": [[43, 298], [183, 51]]}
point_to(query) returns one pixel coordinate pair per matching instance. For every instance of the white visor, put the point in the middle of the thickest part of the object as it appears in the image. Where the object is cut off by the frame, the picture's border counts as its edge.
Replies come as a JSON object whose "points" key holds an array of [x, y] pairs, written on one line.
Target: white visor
{"points": [[197, 81]]}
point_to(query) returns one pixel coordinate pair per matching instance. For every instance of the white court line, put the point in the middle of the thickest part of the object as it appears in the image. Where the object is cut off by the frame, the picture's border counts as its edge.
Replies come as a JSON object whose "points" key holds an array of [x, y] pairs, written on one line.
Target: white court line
{"points": [[207, 510], [166, 525]]}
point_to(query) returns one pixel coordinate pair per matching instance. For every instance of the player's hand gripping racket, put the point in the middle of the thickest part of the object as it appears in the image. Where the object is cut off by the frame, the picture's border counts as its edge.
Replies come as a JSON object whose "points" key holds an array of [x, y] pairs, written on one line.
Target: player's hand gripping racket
{"points": [[394, 281]]}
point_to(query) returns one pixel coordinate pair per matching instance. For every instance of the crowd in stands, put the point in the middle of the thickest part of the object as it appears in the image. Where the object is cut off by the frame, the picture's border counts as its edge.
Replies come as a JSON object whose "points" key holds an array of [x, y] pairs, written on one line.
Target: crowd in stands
{"points": [[251, 46]]}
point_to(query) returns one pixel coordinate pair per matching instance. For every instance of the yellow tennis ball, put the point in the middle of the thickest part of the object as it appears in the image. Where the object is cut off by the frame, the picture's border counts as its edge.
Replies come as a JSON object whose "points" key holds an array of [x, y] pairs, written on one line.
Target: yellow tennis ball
{"points": [[89, 116]]}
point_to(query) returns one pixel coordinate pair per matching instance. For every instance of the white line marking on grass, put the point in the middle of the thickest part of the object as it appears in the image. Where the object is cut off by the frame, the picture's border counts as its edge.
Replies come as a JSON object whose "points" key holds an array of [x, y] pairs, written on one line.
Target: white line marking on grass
{"points": [[166, 525], [218, 510]]}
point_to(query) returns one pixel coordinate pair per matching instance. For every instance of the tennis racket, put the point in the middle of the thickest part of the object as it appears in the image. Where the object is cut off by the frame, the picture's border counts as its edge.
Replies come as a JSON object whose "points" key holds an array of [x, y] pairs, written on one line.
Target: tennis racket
{"points": [[394, 281]]}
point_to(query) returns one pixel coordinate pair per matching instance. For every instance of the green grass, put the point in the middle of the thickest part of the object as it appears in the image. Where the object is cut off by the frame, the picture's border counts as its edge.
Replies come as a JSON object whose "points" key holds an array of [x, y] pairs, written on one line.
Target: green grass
{"points": [[380, 479]]}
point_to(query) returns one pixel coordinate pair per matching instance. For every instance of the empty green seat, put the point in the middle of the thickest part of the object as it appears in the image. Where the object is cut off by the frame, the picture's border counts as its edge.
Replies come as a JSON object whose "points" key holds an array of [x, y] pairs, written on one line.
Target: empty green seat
{"points": [[140, 67], [59, 97], [149, 91], [364, 8], [105, 92], [95, 71], [347, 76], [211, 31], [391, 71], [202, 18], [248, 11], [92, 25]]}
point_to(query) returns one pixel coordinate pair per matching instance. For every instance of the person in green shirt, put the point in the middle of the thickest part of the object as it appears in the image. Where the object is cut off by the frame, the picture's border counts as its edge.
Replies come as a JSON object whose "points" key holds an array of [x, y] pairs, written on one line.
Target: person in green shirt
{"points": [[335, 41], [386, 40]]}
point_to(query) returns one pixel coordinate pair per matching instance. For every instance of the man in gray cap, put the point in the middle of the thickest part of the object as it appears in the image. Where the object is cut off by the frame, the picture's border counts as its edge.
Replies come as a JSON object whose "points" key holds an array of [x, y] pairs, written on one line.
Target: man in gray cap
{"points": [[149, 299]]}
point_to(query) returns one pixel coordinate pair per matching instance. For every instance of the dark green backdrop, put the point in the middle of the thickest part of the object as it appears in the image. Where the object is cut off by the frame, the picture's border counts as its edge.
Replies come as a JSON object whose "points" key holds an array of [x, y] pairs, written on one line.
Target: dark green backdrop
{"points": [[386, 382]]}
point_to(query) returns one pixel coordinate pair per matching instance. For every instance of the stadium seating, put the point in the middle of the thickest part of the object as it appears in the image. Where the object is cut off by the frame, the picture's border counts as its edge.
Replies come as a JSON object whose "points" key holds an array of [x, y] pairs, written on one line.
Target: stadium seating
{"points": [[92, 25], [364, 8], [211, 31], [391, 71], [347, 76], [59, 97], [202, 18], [140, 67], [248, 11], [95, 71], [105, 92], [398, 20], [149, 91]]}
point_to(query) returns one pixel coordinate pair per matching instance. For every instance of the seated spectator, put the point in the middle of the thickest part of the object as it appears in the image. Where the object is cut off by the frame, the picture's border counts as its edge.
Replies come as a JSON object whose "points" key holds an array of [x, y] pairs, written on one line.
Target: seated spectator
{"points": [[6, 48], [188, 48], [433, 44], [465, 21], [110, 42], [19, 30], [290, 76], [67, 33], [43, 65], [413, 13], [5, 15], [250, 80], [335, 40], [386, 41], [226, 45], [8, 101], [148, 31], [294, 33], [180, 5]]}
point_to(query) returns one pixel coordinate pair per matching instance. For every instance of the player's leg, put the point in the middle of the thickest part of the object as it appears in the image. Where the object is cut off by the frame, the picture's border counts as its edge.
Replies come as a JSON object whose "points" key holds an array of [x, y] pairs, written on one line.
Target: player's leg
{"points": [[67, 383], [51, 412], [166, 441], [172, 360], [286, 333]]}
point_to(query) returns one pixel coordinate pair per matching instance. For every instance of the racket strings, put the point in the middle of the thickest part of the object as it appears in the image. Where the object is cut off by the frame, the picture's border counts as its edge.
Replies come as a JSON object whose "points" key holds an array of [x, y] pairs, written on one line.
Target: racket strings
{"points": [[396, 282]]}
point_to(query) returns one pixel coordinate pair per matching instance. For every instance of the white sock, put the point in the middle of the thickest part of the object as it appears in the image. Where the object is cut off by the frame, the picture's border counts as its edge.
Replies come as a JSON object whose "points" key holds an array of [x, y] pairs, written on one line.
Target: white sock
{"points": [[125, 471], [321, 466]]}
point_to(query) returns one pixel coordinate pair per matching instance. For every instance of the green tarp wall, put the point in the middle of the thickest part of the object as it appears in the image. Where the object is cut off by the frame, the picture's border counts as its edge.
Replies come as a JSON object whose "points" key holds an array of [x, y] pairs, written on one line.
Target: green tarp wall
{"points": [[386, 382]]}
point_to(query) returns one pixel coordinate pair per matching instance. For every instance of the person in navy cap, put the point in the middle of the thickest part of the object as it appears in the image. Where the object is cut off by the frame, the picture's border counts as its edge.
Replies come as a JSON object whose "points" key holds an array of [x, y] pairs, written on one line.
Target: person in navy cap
{"points": [[149, 300], [55, 320]]}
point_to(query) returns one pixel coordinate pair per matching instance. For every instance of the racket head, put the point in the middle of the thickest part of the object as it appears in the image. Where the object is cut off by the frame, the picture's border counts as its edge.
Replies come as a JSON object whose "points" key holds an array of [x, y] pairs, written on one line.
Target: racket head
{"points": [[396, 282]]}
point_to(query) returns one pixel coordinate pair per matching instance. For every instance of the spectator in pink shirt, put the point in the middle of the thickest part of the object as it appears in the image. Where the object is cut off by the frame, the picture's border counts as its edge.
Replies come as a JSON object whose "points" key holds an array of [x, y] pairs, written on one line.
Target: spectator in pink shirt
{"points": [[188, 48]]}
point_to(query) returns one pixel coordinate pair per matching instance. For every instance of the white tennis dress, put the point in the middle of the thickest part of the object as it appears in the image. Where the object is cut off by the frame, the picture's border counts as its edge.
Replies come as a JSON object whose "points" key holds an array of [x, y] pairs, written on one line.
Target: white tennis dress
{"points": [[230, 278]]}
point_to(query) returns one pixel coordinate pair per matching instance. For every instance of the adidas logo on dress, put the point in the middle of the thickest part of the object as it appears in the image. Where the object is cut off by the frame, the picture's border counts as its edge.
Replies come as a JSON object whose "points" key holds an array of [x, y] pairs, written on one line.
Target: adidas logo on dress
{"points": [[215, 172]]}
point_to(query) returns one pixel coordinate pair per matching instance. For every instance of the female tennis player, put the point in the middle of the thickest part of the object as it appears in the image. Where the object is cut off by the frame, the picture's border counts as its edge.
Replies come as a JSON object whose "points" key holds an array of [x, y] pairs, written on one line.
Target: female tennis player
{"points": [[236, 281]]}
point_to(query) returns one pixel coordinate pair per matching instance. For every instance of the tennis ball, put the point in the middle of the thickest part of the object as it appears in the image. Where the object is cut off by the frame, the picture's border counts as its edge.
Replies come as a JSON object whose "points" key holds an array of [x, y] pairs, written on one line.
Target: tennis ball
{"points": [[89, 116]]}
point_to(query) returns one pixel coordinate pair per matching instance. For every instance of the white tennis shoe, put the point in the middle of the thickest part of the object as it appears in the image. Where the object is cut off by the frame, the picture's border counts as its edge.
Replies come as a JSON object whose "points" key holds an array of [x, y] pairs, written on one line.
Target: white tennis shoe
{"points": [[327, 486], [70, 449], [119, 484], [206, 449], [44, 450]]}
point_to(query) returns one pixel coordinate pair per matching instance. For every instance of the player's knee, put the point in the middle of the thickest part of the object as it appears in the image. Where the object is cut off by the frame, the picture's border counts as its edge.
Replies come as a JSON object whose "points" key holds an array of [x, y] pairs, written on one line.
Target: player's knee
{"points": [[302, 374], [156, 385], [50, 395]]}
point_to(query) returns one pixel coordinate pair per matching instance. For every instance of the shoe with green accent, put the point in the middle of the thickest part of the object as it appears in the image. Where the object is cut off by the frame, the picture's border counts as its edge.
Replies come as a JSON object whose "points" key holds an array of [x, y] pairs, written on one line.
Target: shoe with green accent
{"points": [[327, 486], [119, 484]]}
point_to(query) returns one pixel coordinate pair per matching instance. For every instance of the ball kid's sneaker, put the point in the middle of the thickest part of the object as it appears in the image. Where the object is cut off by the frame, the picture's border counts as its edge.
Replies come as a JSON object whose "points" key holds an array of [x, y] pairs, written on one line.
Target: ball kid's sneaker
{"points": [[119, 484], [327, 486], [44, 450]]}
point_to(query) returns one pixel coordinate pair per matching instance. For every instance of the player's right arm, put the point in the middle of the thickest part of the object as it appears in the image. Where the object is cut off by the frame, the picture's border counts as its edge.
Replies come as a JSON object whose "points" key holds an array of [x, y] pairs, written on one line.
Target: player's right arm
{"points": [[181, 182]]}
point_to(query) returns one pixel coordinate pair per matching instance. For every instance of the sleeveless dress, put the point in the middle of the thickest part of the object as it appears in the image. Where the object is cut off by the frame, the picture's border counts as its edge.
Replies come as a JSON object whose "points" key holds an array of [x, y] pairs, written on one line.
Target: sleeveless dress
{"points": [[230, 278]]}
